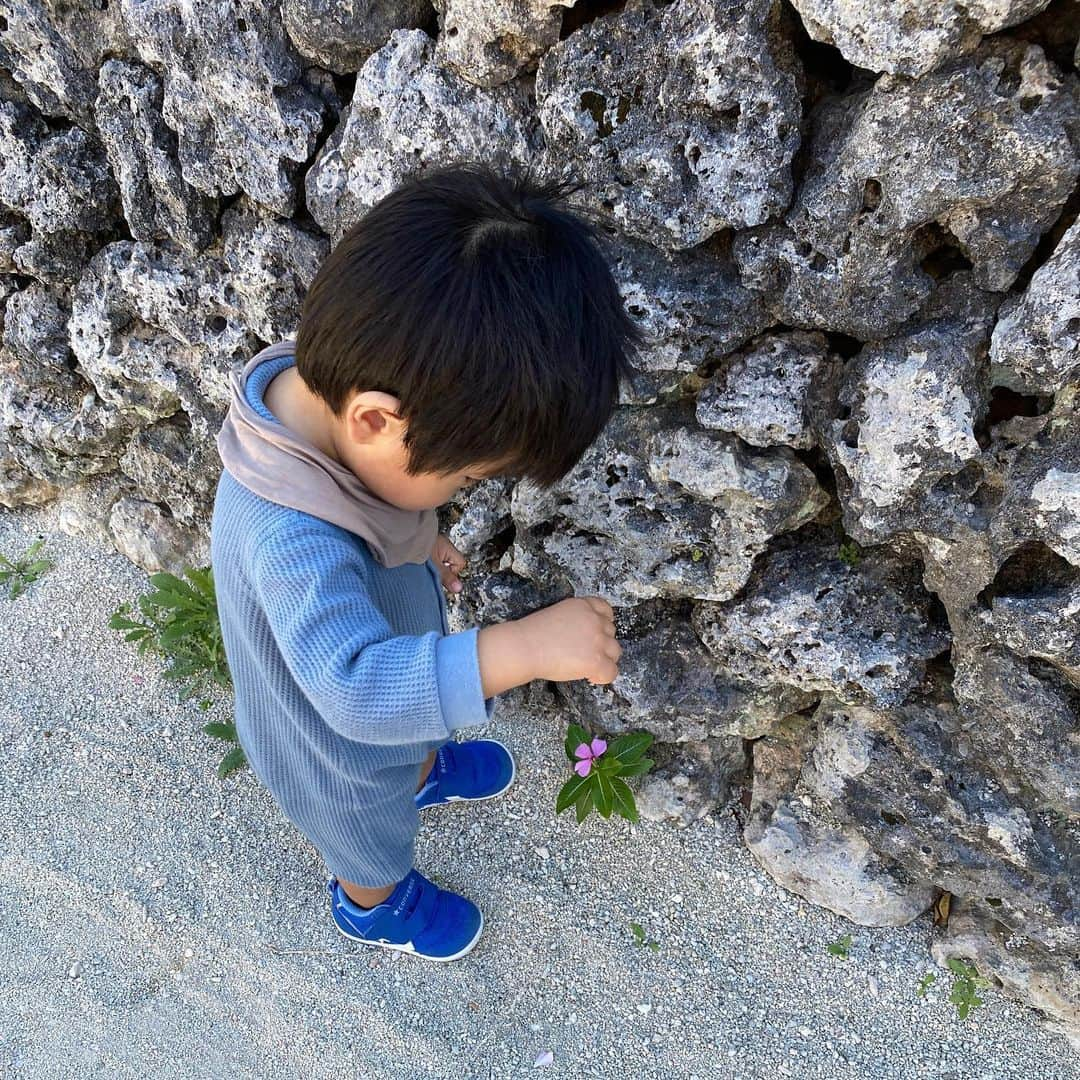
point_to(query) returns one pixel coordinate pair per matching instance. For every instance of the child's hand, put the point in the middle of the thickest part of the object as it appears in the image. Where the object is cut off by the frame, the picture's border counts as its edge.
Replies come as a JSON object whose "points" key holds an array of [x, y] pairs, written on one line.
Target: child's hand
{"points": [[450, 562], [573, 639]]}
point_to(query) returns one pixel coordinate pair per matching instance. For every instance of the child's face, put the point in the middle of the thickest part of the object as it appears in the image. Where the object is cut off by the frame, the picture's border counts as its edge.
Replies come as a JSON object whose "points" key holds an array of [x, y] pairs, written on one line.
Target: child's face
{"points": [[372, 446], [425, 491]]}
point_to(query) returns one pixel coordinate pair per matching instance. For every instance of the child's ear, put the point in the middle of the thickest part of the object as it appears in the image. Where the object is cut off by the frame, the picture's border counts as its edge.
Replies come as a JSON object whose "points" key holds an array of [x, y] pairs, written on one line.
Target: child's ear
{"points": [[372, 415]]}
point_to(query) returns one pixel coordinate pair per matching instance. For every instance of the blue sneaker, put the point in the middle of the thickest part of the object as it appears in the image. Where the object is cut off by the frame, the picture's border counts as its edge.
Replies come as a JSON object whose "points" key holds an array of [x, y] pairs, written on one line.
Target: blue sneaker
{"points": [[417, 917], [467, 772]]}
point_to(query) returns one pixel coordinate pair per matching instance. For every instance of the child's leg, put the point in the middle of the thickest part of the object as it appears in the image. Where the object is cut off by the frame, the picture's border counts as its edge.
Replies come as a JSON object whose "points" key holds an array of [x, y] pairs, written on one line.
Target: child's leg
{"points": [[368, 898], [425, 768]]}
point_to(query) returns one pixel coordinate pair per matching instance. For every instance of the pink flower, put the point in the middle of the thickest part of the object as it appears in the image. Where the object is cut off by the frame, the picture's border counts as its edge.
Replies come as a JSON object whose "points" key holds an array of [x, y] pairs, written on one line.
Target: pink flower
{"points": [[588, 754]]}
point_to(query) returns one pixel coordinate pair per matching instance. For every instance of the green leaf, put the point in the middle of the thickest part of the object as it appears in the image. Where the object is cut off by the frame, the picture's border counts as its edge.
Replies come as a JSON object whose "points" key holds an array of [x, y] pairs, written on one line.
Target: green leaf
{"points": [[575, 736], [607, 763], [637, 768], [840, 947], [171, 635], [958, 967], [638, 932], [584, 804], [221, 731], [629, 748], [624, 799], [603, 794], [202, 579], [232, 761], [570, 793]]}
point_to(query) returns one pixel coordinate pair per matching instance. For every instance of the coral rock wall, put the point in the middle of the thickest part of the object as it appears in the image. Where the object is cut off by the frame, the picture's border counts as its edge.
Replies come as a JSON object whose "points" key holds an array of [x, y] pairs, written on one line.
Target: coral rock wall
{"points": [[838, 509]]}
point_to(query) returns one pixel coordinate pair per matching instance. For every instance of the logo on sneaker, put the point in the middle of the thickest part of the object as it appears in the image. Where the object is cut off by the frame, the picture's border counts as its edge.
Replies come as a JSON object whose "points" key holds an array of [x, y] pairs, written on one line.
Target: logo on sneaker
{"points": [[410, 888], [407, 947]]}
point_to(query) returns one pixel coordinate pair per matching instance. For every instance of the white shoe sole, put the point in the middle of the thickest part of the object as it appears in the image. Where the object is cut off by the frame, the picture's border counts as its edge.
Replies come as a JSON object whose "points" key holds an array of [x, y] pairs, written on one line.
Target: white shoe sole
{"points": [[481, 798], [410, 949]]}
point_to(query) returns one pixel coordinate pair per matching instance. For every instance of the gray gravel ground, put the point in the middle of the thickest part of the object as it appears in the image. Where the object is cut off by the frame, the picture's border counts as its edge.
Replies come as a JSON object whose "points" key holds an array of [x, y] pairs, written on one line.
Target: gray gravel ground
{"points": [[158, 922]]}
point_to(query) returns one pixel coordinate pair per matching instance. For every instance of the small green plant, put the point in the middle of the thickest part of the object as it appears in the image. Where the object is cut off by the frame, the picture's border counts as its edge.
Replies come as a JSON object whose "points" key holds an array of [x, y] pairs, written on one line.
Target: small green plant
{"points": [[19, 574], [178, 620], [850, 553], [924, 984], [234, 759], [641, 940], [599, 769], [966, 982], [697, 555], [841, 947]]}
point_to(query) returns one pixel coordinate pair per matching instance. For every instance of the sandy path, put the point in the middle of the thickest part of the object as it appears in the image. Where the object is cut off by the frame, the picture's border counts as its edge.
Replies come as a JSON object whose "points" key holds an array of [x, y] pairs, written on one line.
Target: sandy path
{"points": [[157, 922]]}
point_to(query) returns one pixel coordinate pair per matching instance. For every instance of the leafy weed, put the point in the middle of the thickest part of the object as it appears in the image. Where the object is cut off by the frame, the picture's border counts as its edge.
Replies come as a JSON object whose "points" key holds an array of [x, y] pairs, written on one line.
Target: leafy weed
{"points": [[20, 573]]}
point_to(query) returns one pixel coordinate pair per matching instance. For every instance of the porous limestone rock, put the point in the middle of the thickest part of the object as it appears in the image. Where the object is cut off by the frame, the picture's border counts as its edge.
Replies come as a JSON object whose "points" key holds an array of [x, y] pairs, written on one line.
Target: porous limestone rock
{"points": [[152, 540], [911, 37], [1020, 716], [805, 849], [810, 621], [267, 265], [158, 202], [683, 118], [907, 180], [14, 232], [35, 334], [1046, 979], [53, 50], [150, 331], [669, 684], [682, 512], [53, 425], [762, 393], [1036, 344], [20, 487], [907, 412], [166, 465], [408, 113], [155, 330], [483, 511], [1042, 492], [233, 93], [691, 782], [489, 41], [692, 307], [342, 36], [57, 181], [902, 778]]}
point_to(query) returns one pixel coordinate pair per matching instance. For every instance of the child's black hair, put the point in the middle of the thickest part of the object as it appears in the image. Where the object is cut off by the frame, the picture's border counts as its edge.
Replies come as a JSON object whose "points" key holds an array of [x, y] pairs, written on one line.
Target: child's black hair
{"points": [[482, 302]]}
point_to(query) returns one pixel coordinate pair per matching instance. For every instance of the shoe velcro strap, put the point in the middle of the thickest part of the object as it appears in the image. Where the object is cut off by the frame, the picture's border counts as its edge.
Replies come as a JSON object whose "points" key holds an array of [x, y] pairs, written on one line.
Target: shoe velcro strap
{"points": [[424, 909]]}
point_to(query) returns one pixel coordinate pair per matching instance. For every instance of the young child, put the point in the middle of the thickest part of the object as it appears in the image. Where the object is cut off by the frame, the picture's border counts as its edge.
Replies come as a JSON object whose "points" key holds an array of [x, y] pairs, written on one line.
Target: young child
{"points": [[467, 326]]}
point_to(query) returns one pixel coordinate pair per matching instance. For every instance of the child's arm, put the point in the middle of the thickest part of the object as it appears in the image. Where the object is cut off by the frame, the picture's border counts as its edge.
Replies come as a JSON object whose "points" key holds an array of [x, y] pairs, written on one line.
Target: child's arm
{"points": [[573, 639], [374, 687], [365, 682]]}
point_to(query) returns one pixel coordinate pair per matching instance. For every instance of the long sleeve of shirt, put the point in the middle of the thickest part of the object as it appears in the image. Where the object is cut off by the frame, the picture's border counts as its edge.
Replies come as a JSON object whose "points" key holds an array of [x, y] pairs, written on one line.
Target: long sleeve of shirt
{"points": [[366, 683]]}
